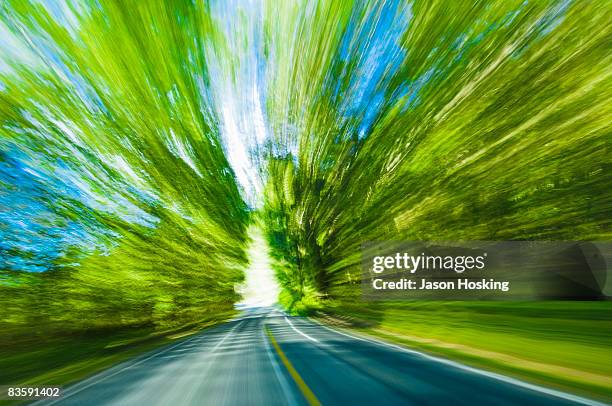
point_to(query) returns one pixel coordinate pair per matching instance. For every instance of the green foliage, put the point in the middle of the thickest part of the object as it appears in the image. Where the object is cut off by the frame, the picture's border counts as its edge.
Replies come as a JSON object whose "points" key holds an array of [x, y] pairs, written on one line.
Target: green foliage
{"points": [[454, 121], [387, 120], [130, 205]]}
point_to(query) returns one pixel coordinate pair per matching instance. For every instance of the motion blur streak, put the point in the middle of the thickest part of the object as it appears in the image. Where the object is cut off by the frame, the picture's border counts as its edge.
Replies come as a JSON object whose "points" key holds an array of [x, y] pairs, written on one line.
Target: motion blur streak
{"points": [[139, 140], [119, 212], [260, 288], [443, 121], [436, 121], [228, 365]]}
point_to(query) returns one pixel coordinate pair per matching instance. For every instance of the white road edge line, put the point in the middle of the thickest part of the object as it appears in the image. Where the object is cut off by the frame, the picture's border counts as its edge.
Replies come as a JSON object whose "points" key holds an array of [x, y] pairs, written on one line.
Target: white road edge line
{"points": [[299, 332], [102, 378], [493, 375]]}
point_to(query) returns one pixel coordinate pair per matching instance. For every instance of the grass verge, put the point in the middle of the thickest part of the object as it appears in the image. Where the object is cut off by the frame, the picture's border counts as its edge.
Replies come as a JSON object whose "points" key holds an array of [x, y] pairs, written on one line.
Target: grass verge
{"points": [[564, 345]]}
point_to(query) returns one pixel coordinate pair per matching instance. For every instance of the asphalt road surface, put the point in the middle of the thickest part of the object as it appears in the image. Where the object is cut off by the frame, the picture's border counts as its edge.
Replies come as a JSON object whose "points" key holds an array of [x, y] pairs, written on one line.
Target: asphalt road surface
{"points": [[267, 358]]}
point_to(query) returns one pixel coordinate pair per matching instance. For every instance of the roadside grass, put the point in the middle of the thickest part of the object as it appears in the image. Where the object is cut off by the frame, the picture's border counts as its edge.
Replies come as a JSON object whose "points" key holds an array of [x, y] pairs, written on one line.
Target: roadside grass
{"points": [[565, 345]]}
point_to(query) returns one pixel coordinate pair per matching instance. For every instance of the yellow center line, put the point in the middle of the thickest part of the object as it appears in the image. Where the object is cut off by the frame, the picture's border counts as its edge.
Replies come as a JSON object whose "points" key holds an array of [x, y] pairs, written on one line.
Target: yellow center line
{"points": [[310, 397]]}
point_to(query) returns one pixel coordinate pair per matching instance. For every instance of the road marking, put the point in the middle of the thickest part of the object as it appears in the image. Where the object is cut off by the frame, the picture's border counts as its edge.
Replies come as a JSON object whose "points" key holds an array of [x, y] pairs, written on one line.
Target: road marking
{"points": [[102, 378], [299, 332], [310, 397], [279, 375], [493, 375]]}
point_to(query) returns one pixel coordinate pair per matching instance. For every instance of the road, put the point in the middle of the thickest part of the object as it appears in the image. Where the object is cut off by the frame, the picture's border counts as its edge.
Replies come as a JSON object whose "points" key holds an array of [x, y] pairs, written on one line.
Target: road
{"points": [[266, 358]]}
